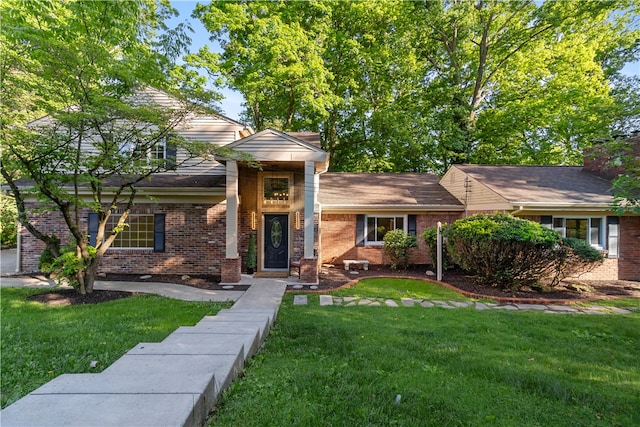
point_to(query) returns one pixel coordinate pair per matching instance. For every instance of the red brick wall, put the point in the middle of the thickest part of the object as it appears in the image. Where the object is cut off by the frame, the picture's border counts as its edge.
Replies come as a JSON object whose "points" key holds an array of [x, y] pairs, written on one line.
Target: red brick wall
{"points": [[194, 242], [339, 237], [629, 261]]}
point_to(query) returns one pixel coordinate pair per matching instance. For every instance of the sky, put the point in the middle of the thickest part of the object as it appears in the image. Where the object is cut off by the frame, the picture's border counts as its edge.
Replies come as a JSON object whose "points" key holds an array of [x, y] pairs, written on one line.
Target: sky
{"points": [[232, 103]]}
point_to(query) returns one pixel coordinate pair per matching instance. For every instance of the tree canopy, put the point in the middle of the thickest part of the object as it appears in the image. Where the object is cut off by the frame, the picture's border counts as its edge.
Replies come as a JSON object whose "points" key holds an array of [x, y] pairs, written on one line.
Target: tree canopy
{"points": [[80, 127], [418, 86]]}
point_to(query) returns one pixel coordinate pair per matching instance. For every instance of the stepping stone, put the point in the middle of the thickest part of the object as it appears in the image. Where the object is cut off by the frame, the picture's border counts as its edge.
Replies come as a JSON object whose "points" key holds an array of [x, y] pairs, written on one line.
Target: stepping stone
{"points": [[391, 303], [481, 306], [300, 300], [351, 304], [337, 300], [349, 299], [460, 304], [297, 286], [540, 307], [326, 300], [619, 310], [364, 302], [562, 308], [427, 304], [227, 287], [442, 304], [506, 307], [375, 304], [407, 302]]}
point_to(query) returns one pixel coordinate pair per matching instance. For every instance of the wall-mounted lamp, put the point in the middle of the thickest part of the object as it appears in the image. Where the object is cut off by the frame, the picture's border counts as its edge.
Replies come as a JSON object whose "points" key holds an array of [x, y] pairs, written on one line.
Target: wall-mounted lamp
{"points": [[254, 222], [297, 220]]}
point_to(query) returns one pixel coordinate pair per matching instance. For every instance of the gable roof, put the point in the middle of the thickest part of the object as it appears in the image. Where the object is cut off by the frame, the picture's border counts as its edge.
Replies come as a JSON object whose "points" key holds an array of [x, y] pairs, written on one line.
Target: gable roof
{"points": [[544, 185], [384, 191], [272, 146]]}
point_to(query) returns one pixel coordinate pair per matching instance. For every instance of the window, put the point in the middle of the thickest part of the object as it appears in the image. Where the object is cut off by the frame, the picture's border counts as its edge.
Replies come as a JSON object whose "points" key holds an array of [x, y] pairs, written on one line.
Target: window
{"points": [[161, 150], [590, 229], [138, 234], [144, 231], [276, 191], [378, 226], [158, 151]]}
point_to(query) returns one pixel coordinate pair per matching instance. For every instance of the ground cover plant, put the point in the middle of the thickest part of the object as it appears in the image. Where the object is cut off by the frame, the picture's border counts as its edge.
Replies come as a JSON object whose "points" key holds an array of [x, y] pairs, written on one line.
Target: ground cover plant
{"points": [[346, 366], [40, 342]]}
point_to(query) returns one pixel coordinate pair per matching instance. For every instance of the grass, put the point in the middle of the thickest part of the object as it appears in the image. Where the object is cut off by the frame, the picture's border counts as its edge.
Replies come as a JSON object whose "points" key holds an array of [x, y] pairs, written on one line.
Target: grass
{"points": [[40, 342], [381, 366], [400, 288]]}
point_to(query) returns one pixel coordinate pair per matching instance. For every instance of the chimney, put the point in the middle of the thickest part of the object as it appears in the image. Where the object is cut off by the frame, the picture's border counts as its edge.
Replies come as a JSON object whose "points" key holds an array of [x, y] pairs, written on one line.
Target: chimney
{"points": [[599, 161]]}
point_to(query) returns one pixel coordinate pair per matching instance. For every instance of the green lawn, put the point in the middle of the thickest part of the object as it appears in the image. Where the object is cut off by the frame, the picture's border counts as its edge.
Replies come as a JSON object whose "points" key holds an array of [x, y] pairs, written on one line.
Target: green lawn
{"points": [[346, 366], [400, 288], [40, 342]]}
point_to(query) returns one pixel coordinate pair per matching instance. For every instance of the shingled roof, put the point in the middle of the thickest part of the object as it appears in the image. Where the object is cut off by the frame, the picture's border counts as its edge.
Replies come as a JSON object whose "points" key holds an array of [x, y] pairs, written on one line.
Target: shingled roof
{"points": [[542, 184], [384, 191]]}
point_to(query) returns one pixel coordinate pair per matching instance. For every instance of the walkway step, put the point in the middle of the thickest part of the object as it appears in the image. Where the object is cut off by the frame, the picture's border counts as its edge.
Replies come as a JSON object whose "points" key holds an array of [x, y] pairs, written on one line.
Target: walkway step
{"points": [[247, 334], [100, 410]]}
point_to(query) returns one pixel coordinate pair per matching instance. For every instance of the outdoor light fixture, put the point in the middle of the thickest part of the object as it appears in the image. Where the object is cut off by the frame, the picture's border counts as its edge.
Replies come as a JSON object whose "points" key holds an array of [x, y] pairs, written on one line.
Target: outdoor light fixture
{"points": [[297, 220], [253, 220]]}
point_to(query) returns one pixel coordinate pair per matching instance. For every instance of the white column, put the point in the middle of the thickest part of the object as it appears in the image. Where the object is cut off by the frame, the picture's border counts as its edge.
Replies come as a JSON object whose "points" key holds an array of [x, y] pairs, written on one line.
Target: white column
{"points": [[309, 200], [232, 209]]}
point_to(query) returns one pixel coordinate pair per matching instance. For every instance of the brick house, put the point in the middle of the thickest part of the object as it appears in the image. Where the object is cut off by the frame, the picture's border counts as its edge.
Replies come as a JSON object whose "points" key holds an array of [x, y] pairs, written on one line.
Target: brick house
{"points": [[197, 219], [572, 200]]}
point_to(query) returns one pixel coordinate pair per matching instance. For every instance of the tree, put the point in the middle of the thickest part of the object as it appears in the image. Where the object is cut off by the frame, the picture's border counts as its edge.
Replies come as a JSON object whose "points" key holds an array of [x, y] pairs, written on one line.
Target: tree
{"points": [[87, 69], [417, 86]]}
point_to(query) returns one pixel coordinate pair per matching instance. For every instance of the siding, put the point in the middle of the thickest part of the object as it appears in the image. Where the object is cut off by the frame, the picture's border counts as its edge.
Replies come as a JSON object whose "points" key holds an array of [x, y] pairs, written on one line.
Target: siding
{"points": [[475, 195]]}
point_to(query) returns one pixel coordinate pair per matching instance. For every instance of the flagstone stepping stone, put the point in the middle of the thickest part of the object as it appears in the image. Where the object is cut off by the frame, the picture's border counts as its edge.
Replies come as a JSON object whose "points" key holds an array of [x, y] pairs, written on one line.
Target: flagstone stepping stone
{"points": [[375, 304], [482, 306], [326, 300], [391, 303], [540, 307], [364, 302], [408, 302], [300, 300], [460, 304], [427, 304]]}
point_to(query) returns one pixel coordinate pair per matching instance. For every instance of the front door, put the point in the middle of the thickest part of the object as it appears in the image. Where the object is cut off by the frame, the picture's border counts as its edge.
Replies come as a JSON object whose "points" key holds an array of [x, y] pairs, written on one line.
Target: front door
{"points": [[276, 241]]}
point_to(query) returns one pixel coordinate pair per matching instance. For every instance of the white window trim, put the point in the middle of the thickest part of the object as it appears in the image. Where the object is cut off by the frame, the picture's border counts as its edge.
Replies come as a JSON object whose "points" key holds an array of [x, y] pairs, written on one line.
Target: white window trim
{"points": [[603, 228], [367, 242]]}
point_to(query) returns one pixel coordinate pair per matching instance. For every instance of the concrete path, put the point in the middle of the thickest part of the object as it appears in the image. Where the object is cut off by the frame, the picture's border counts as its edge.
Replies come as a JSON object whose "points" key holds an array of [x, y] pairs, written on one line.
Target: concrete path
{"points": [[172, 383]]}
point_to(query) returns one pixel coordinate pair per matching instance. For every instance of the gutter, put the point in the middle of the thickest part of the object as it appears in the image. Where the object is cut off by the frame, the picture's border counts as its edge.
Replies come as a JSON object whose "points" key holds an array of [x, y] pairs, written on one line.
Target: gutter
{"points": [[391, 208]]}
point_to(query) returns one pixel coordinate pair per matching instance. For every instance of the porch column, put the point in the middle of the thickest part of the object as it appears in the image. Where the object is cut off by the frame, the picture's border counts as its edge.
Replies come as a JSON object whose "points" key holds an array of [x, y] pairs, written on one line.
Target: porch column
{"points": [[231, 264], [309, 263], [309, 193]]}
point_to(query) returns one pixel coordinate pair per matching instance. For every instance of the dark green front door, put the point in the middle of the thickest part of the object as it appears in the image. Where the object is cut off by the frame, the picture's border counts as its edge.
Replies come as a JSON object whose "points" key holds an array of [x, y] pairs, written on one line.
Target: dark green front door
{"points": [[276, 241]]}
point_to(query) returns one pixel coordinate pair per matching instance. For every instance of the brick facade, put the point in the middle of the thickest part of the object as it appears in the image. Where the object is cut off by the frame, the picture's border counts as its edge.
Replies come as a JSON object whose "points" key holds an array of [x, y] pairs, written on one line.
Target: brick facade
{"points": [[339, 237], [194, 242]]}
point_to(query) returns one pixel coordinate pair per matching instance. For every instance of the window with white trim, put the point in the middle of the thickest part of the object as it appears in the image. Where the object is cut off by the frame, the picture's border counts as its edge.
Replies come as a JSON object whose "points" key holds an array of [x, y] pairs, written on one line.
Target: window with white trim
{"points": [[379, 225], [591, 229]]}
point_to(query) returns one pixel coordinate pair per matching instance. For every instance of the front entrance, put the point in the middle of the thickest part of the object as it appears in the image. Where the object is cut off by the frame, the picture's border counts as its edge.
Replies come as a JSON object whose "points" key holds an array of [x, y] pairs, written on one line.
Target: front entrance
{"points": [[276, 241]]}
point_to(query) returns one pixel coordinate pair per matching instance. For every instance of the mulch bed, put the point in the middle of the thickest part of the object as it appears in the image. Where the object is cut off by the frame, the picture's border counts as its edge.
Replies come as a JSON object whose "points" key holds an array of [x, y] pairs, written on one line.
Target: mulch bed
{"points": [[333, 277]]}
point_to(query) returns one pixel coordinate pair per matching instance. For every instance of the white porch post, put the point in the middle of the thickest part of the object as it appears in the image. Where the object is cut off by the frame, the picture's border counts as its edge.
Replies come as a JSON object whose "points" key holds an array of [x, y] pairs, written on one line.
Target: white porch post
{"points": [[309, 199], [232, 209]]}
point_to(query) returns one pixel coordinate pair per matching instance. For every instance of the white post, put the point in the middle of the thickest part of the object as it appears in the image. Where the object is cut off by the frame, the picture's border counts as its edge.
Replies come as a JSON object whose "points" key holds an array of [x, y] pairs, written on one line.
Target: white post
{"points": [[309, 201], [232, 209], [18, 247], [439, 251]]}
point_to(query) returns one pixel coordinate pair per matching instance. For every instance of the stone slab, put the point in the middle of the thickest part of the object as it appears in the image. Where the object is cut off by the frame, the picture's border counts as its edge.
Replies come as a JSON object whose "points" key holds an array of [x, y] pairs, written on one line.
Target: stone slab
{"points": [[264, 295], [407, 302], [207, 346], [232, 322], [326, 300], [300, 300], [271, 313], [102, 410], [248, 335], [173, 373], [391, 303]]}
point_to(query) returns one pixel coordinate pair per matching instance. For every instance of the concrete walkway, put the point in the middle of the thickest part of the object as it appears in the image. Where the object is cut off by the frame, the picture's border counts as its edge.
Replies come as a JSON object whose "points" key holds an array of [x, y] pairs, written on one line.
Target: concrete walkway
{"points": [[172, 383]]}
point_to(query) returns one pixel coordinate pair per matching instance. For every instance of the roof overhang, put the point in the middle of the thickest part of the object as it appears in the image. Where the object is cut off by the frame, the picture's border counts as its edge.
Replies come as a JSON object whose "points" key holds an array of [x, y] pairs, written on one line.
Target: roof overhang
{"points": [[392, 208]]}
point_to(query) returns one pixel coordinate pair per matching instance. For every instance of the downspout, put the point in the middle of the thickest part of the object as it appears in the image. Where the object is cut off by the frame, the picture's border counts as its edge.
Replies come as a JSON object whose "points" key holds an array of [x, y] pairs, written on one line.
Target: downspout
{"points": [[18, 247], [517, 211]]}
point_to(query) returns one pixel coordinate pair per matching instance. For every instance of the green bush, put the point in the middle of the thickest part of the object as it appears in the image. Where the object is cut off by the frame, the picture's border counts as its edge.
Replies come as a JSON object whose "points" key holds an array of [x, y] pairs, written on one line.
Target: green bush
{"points": [[8, 221], [505, 251], [64, 269], [251, 252], [397, 245], [578, 257], [430, 237]]}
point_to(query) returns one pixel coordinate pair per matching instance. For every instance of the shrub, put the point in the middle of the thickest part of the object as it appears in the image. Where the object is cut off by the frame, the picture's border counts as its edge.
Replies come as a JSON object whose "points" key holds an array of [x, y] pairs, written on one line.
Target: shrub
{"points": [[251, 253], [579, 257], [65, 268], [430, 237], [8, 221], [505, 251], [397, 245]]}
